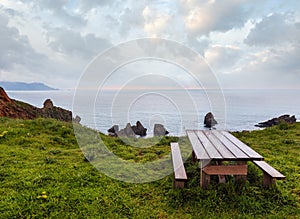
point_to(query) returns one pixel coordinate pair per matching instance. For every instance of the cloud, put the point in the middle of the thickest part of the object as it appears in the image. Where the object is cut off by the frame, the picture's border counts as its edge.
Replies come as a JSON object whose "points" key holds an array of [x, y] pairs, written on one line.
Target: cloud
{"points": [[72, 43], [272, 60], [203, 17], [267, 68], [58, 58], [15, 48], [57, 12], [155, 22], [275, 29], [86, 5], [245, 39], [19, 61], [278, 62], [223, 58], [131, 20]]}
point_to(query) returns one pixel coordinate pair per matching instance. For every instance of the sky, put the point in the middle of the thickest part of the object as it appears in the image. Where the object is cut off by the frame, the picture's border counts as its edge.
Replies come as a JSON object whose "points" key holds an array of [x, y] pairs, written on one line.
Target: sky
{"points": [[247, 43]]}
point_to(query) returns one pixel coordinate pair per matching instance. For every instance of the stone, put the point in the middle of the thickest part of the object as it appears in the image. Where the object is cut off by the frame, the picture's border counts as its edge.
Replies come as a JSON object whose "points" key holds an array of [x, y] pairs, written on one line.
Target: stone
{"points": [[77, 119], [48, 104], [209, 120], [56, 113], [159, 130], [276, 121], [113, 130], [139, 129], [126, 132]]}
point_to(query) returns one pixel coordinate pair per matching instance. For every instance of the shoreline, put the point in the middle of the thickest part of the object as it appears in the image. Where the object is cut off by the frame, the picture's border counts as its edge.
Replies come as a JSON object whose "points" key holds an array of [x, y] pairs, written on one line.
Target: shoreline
{"points": [[244, 109]]}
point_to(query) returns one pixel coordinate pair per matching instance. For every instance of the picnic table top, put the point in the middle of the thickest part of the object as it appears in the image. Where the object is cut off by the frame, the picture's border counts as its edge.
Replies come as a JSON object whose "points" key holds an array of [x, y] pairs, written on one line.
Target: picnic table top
{"points": [[220, 145]]}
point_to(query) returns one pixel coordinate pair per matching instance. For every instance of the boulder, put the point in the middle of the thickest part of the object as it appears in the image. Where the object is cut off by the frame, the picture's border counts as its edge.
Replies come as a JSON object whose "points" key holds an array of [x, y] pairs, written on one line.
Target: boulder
{"points": [[113, 130], [126, 132], [276, 121], [139, 129], [48, 104], [209, 120], [159, 130], [77, 119]]}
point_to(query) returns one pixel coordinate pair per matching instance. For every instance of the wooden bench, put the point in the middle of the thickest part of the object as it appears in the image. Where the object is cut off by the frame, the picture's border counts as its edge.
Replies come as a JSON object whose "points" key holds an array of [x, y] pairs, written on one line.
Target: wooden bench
{"points": [[179, 171], [222, 170], [270, 173]]}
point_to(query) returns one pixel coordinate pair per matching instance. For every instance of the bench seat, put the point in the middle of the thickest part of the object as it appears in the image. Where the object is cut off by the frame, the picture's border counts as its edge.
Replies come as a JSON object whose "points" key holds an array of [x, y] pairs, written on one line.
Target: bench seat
{"points": [[226, 170], [270, 173], [179, 171], [240, 171]]}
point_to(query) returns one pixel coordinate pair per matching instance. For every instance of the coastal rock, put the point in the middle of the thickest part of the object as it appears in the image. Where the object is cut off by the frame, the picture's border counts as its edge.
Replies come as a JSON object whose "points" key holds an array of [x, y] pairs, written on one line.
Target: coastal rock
{"points": [[113, 130], [48, 104], [159, 130], [275, 121], [56, 113], [139, 129], [77, 119], [126, 132], [209, 120], [19, 110]]}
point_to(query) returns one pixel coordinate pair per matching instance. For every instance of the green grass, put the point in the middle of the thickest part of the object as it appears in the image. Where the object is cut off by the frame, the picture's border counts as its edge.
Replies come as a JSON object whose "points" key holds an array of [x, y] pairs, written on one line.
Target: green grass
{"points": [[42, 155]]}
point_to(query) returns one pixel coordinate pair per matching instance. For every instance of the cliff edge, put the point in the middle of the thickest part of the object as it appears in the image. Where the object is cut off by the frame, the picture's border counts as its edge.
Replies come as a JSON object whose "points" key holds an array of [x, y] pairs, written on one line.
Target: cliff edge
{"points": [[19, 110]]}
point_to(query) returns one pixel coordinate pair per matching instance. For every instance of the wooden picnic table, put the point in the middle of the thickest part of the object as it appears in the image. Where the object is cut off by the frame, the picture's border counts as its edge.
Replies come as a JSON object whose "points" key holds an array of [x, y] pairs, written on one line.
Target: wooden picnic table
{"points": [[212, 147]]}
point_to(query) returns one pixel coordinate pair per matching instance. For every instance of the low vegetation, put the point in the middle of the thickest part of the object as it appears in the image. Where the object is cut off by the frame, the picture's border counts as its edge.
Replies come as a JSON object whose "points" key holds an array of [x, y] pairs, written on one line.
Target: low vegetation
{"points": [[44, 174]]}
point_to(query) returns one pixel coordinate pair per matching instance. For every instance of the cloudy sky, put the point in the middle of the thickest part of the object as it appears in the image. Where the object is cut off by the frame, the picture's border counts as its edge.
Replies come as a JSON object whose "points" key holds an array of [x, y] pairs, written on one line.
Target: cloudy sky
{"points": [[247, 43]]}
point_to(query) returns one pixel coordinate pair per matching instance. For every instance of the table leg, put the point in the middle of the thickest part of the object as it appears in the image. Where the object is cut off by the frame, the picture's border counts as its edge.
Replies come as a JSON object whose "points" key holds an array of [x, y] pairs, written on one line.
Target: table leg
{"points": [[194, 158], [268, 180], [222, 178], [239, 177], [201, 173], [205, 180]]}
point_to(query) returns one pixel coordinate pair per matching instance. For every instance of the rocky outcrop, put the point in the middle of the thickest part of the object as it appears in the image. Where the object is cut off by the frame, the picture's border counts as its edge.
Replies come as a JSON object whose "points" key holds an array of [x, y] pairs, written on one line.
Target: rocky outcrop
{"points": [[139, 129], [16, 109], [113, 130], [48, 104], [276, 121], [126, 132], [135, 130], [56, 113], [77, 119], [209, 120], [159, 130]]}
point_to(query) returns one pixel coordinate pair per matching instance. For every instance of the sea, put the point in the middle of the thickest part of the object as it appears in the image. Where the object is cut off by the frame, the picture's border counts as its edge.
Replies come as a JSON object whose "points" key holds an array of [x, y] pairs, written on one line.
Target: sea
{"points": [[177, 110]]}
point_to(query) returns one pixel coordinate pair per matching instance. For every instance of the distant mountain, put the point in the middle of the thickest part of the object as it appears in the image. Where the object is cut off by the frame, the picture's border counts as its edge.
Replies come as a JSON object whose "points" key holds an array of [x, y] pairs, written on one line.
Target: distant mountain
{"points": [[7, 85]]}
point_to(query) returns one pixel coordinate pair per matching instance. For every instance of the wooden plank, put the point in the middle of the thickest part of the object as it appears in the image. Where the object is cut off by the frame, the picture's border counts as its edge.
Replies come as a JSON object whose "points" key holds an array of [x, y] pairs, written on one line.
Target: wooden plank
{"points": [[237, 152], [210, 149], [178, 184], [264, 166], [205, 180], [178, 166], [222, 178], [245, 148], [268, 180], [226, 170], [198, 148], [221, 148]]}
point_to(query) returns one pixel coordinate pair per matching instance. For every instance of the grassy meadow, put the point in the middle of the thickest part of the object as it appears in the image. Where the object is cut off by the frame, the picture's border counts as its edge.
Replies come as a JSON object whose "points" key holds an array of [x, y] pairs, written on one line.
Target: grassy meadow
{"points": [[44, 174]]}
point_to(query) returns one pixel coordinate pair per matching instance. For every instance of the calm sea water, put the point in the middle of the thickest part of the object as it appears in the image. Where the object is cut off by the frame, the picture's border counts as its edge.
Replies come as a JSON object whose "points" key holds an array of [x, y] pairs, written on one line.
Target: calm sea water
{"points": [[178, 110]]}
